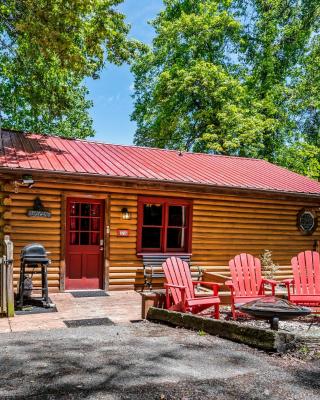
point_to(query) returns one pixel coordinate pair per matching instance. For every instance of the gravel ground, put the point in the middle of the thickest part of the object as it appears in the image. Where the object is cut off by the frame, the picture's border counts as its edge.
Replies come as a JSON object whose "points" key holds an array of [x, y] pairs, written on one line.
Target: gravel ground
{"points": [[146, 361], [303, 326]]}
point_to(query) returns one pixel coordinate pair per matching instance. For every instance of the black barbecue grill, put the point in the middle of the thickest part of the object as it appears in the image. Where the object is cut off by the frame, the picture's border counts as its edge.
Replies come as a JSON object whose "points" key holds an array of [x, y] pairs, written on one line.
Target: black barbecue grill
{"points": [[34, 254], [33, 260]]}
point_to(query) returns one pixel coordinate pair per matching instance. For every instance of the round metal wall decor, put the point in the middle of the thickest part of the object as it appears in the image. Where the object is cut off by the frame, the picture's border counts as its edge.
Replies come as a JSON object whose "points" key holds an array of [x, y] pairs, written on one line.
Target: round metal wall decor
{"points": [[307, 221]]}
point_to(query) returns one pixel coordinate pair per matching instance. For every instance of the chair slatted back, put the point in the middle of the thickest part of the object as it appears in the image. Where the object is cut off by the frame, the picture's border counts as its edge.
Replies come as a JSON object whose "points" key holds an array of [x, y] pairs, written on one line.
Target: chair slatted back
{"points": [[246, 275], [306, 273], [177, 272]]}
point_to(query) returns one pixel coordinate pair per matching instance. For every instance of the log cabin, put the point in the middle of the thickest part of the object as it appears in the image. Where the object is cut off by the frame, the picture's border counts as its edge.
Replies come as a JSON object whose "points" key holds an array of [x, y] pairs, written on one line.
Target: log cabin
{"points": [[97, 208]]}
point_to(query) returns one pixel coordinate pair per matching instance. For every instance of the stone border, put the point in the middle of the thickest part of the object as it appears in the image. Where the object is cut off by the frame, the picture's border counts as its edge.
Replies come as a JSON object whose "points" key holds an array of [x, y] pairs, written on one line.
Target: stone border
{"points": [[266, 339]]}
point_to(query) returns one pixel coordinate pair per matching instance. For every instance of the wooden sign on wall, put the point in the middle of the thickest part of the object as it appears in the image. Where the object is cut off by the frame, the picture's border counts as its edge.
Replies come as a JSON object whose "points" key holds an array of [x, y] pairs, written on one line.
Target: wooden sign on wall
{"points": [[38, 210]]}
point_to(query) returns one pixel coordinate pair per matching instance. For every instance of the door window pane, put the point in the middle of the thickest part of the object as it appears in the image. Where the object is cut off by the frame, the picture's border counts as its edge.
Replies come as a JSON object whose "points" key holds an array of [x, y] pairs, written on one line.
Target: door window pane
{"points": [[152, 214], [75, 209], [85, 210], [84, 238], [177, 216], [85, 224], [95, 210], [74, 224], [175, 238], [95, 224], [95, 238], [151, 238], [74, 238]]}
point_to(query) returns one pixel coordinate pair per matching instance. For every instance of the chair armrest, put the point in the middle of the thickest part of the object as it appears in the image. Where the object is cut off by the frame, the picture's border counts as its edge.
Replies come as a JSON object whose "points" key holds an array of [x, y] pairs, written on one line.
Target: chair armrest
{"points": [[215, 286], [169, 285], [206, 283], [270, 282], [288, 282], [231, 287], [182, 291]]}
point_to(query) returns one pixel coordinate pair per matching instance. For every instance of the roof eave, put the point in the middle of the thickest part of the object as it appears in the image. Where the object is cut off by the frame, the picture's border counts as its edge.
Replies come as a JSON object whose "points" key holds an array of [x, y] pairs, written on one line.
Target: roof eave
{"points": [[17, 171]]}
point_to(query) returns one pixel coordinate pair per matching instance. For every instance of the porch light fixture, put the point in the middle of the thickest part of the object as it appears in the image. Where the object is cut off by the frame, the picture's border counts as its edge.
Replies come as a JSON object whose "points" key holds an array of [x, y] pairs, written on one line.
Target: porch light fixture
{"points": [[125, 213], [27, 180]]}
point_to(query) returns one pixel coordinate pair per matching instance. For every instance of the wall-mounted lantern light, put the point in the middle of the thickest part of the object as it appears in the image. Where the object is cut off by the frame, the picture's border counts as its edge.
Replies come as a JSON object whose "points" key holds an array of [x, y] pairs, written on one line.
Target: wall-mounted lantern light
{"points": [[125, 213], [27, 180]]}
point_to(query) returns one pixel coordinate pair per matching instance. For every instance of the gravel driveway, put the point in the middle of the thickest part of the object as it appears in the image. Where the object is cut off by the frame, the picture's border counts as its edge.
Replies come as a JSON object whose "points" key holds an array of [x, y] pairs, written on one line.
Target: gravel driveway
{"points": [[146, 361]]}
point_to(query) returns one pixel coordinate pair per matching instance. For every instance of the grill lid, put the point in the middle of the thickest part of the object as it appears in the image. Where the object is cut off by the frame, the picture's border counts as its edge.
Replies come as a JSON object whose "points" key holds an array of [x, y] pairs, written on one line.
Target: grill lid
{"points": [[34, 253]]}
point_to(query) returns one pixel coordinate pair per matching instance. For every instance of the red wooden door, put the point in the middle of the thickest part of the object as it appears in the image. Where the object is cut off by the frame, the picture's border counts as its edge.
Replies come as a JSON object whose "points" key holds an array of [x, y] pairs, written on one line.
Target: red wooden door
{"points": [[84, 244]]}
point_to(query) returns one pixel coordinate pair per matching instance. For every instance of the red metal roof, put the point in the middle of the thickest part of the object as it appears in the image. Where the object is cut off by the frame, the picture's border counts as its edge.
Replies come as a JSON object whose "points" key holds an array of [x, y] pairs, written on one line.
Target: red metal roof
{"points": [[52, 153]]}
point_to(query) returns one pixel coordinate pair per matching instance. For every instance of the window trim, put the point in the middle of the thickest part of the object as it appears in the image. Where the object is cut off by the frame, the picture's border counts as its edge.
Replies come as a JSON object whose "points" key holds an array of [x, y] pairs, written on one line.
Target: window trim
{"points": [[165, 202]]}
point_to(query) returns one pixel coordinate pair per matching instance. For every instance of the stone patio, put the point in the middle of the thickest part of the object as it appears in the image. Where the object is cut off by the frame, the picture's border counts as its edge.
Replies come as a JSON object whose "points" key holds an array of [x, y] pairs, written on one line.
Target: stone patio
{"points": [[119, 307]]}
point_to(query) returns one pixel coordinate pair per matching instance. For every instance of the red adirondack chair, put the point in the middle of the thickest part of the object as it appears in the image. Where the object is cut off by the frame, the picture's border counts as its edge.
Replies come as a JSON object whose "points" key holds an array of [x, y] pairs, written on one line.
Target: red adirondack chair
{"points": [[247, 283], [304, 288], [181, 288]]}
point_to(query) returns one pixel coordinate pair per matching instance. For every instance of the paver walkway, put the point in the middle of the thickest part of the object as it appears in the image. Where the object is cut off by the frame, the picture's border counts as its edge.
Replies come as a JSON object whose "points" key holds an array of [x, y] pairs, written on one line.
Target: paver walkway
{"points": [[120, 307]]}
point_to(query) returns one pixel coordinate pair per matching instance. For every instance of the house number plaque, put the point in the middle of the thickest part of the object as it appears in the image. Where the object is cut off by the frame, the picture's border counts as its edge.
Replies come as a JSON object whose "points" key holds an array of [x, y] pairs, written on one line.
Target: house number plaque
{"points": [[123, 232]]}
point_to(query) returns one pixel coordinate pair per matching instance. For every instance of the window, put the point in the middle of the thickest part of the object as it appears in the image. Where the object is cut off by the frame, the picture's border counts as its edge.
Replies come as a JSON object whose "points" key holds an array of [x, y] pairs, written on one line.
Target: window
{"points": [[307, 221], [163, 225], [84, 224]]}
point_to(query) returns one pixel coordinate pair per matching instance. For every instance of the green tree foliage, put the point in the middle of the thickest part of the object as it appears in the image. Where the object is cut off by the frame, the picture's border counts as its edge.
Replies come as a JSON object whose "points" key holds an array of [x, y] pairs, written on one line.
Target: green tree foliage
{"points": [[302, 152], [47, 48], [278, 36], [188, 92], [233, 77]]}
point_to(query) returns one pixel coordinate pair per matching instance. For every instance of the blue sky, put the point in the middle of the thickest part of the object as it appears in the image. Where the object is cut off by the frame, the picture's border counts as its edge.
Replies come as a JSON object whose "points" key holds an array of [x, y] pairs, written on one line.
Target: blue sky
{"points": [[111, 94]]}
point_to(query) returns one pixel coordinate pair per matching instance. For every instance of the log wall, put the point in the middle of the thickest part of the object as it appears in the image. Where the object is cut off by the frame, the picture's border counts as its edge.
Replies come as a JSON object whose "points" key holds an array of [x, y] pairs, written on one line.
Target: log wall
{"points": [[2, 209], [223, 226], [23, 229]]}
